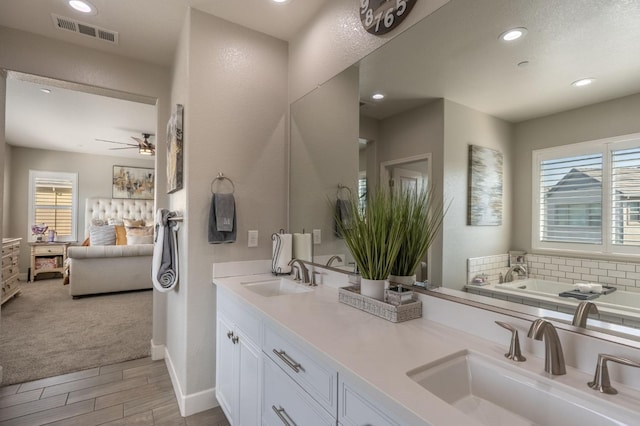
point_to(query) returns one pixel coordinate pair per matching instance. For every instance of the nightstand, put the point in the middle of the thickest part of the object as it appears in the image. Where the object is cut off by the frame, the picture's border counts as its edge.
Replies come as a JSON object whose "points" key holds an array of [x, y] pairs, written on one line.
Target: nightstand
{"points": [[47, 257]]}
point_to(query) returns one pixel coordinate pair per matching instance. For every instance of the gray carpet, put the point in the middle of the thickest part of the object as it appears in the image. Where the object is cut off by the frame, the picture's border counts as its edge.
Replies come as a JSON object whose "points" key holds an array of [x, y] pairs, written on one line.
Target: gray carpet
{"points": [[44, 332]]}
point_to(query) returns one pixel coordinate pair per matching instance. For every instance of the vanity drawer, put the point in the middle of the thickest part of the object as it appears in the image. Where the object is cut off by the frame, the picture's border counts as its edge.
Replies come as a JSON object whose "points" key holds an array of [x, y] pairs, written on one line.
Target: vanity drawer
{"points": [[284, 402], [46, 250], [316, 378]]}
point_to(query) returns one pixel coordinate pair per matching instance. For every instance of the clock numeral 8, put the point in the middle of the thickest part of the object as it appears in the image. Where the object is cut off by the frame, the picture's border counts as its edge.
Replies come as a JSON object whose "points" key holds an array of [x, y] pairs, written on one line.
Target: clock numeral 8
{"points": [[368, 19]]}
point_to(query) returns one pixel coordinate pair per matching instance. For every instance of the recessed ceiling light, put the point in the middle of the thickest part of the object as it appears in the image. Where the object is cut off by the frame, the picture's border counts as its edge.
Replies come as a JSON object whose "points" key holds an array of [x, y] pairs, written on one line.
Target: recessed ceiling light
{"points": [[280, 1], [583, 82], [45, 90], [513, 34], [83, 6], [377, 96]]}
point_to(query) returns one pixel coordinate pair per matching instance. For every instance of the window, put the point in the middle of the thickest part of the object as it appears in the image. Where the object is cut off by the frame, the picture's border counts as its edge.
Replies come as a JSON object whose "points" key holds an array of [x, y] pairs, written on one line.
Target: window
{"points": [[53, 201], [587, 196]]}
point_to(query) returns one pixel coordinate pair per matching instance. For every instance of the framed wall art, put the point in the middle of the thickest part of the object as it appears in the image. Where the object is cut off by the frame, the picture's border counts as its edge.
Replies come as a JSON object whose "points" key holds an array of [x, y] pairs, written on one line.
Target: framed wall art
{"points": [[485, 186], [133, 182], [174, 151]]}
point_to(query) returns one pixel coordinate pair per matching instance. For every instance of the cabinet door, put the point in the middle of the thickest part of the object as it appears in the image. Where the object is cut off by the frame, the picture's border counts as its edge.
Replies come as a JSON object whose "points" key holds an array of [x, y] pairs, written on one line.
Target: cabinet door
{"points": [[286, 403], [226, 390], [249, 373]]}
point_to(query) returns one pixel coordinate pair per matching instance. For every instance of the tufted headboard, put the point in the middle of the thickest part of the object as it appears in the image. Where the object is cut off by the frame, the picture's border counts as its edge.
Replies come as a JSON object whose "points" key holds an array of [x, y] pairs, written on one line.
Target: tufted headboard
{"points": [[116, 208]]}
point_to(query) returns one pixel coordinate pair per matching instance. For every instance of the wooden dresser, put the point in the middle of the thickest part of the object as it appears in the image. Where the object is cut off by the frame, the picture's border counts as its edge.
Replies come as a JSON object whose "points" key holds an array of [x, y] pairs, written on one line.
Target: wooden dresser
{"points": [[10, 269]]}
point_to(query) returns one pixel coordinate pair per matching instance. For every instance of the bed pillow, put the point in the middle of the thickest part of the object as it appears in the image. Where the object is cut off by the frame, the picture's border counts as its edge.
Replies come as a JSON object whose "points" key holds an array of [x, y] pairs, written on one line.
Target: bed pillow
{"points": [[121, 235], [133, 223], [139, 235], [102, 235], [115, 222]]}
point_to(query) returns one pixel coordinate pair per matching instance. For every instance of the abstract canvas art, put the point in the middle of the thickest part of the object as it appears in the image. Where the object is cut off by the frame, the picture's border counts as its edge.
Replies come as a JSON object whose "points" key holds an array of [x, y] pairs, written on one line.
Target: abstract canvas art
{"points": [[485, 186], [133, 182], [174, 150]]}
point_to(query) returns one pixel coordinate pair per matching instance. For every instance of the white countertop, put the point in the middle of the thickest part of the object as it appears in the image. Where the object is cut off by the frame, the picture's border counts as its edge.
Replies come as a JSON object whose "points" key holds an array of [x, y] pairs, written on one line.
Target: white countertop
{"points": [[378, 352]]}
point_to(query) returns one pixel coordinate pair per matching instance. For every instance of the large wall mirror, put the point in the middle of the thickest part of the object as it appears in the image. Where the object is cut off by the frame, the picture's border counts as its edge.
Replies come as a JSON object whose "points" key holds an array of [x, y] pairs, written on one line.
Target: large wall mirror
{"points": [[450, 82]]}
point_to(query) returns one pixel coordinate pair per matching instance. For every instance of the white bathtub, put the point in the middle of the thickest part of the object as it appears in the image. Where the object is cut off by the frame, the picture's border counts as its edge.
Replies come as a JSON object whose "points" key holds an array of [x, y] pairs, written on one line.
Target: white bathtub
{"points": [[621, 307]]}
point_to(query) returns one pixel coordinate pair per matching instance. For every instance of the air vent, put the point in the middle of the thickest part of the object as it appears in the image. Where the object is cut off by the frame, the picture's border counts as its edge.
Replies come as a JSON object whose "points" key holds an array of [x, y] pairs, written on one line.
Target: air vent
{"points": [[88, 30]]}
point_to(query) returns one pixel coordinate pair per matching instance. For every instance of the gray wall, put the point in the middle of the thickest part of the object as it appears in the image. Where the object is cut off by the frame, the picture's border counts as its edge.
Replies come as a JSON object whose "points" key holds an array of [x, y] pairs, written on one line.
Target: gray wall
{"points": [[324, 153], [95, 174], [415, 132], [233, 84], [464, 126], [603, 120]]}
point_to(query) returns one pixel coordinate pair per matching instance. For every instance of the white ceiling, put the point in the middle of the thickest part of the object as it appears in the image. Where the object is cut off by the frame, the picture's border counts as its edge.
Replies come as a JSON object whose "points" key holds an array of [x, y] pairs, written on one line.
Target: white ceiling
{"points": [[455, 54], [148, 30]]}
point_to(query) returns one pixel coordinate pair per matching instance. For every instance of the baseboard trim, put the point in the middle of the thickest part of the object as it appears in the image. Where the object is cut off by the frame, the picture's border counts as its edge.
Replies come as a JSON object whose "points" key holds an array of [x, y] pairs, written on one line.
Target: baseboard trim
{"points": [[157, 351], [193, 403]]}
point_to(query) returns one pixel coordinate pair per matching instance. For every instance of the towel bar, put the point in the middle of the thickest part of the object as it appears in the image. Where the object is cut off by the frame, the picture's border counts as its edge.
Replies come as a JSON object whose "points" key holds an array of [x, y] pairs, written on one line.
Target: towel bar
{"points": [[223, 177]]}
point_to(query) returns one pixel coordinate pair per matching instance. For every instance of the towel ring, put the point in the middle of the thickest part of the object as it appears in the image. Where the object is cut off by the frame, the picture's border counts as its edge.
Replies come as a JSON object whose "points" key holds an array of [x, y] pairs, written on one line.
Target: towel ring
{"points": [[342, 188], [223, 177]]}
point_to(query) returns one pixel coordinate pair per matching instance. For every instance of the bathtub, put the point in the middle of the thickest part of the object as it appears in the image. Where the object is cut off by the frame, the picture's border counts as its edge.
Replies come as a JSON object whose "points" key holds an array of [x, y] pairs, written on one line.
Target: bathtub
{"points": [[620, 307]]}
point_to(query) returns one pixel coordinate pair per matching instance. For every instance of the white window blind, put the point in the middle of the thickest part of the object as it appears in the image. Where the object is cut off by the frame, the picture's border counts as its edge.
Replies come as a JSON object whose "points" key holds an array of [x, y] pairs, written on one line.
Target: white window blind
{"points": [[571, 199], [625, 197], [587, 197], [53, 202]]}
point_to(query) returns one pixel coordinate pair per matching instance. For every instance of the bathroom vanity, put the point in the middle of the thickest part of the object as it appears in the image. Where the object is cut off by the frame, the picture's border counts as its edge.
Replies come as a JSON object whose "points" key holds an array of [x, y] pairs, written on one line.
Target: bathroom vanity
{"points": [[295, 355]]}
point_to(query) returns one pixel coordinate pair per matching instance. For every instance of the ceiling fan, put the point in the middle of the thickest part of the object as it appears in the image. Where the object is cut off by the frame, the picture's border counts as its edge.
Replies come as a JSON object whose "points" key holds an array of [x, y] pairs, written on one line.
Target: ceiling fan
{"points": [[143, 145]]}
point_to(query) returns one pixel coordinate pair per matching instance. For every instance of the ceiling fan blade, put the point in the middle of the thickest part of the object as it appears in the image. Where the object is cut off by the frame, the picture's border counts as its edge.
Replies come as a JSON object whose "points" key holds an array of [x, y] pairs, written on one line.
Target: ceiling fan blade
{"points": [[129, 147], [119, 143]]}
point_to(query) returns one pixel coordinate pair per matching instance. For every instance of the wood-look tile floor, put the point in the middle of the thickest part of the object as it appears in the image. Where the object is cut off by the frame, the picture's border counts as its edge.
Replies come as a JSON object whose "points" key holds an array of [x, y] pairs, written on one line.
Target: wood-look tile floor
{"points": [[137, 392]]}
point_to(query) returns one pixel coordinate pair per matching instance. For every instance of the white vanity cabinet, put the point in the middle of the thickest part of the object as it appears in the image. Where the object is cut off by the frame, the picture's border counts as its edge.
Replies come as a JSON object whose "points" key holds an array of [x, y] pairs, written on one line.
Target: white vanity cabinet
{"points": [[357, 408], [286, 403], [239, 362]]}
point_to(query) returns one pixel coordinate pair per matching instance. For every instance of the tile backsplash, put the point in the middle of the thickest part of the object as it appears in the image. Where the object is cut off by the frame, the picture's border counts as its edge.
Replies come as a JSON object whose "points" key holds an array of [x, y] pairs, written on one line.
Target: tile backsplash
{"points": [[623, 275]]}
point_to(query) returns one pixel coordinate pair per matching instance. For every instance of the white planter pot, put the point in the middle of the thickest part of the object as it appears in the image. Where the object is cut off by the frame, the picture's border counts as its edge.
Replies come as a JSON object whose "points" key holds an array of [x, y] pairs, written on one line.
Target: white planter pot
{"points": [[373, 288], [403, 279]]}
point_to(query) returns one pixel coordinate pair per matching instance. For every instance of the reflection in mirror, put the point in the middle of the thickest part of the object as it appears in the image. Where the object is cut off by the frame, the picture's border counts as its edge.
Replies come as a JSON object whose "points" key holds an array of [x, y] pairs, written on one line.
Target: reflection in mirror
{"points": [[450, 83]]}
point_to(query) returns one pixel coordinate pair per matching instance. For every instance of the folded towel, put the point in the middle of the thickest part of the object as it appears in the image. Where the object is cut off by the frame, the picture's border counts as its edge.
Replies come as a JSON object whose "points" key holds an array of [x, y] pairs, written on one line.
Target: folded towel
{"points": [[343, 214], [225, 211], [164, 267], [214, 235], [588, 287]]}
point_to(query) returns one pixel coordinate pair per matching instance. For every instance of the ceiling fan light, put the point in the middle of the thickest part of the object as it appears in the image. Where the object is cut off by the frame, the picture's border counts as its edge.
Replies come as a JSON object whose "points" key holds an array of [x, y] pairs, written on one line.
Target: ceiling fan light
{"points": [[145, 151]]}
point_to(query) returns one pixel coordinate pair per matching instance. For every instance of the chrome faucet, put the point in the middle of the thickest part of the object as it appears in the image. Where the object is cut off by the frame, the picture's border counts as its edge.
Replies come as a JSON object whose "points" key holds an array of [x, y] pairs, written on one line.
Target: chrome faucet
{"points": [[601, 380], [553, 356], [519, 269], [303, 270], [332, 258], [582, 312]]}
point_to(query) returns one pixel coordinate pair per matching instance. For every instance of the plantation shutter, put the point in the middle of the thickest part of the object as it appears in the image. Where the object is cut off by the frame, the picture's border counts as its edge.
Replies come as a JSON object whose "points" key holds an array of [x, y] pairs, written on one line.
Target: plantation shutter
{"points": [[625, 197], [571, 199], [53, 204]]}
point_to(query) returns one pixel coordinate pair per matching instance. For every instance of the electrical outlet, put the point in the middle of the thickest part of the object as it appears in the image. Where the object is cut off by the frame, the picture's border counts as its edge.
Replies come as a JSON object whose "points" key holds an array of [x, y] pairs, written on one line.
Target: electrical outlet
{"points": [[253, 239], [317, 236]]}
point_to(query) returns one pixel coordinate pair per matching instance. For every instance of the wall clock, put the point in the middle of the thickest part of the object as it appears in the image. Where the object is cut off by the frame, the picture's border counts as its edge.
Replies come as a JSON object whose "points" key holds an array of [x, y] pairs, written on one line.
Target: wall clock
{"points": [[381, 16]]}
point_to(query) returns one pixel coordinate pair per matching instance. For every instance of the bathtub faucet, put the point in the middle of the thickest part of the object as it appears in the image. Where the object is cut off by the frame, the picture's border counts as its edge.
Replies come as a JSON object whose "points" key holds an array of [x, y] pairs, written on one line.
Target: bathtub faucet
{"points": [[520, 270]]}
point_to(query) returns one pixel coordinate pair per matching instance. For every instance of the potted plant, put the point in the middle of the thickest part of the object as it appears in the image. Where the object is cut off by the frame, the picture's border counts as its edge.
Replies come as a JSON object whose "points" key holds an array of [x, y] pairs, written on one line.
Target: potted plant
{"points": [[423, 216], [373, 235]]}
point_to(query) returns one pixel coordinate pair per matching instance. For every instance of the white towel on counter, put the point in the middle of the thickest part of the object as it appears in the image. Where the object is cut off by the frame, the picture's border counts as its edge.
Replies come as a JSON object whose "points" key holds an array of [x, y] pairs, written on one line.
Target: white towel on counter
{"points": [[303, 247], [588, 287], [281, 254]]}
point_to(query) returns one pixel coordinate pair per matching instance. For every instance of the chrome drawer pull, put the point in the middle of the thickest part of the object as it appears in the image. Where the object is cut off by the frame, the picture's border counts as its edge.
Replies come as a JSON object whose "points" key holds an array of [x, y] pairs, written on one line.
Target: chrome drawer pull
{"points": [[235, 339], [281, 413], [230, 334], [295, 366]]}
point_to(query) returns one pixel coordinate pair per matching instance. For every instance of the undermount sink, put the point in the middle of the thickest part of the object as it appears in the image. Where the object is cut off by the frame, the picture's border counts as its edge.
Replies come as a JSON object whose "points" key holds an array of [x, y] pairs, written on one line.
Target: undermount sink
{"points": [[498, 393], [275, 287]]}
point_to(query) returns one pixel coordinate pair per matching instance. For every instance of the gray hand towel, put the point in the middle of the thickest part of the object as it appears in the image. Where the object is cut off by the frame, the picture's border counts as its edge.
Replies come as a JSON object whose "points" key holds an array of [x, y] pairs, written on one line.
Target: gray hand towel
{"points": [[225, 211], [215, 236]]}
